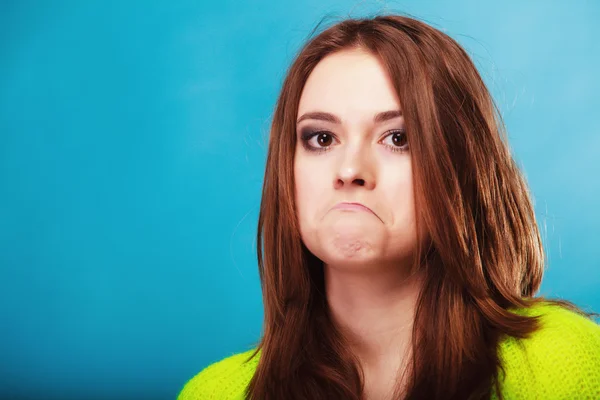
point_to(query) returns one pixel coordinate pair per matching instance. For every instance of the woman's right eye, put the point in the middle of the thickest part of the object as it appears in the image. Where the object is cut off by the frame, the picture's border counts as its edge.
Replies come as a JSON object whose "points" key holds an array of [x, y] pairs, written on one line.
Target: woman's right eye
{"points": [[317, 141]]}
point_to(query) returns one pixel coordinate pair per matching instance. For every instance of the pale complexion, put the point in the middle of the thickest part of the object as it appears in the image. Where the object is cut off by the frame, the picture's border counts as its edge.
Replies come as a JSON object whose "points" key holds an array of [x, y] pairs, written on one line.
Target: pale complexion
{"points": [[360, 156]]}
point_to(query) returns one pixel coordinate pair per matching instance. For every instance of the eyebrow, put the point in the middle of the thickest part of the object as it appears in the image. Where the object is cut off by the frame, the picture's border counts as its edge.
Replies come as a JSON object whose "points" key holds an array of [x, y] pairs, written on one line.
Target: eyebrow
{"points": [[323, 116]]}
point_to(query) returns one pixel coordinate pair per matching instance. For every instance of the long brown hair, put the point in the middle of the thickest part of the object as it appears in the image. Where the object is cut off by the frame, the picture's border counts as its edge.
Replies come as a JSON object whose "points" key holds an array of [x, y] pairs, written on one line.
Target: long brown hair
{"points": [[484, 255]]}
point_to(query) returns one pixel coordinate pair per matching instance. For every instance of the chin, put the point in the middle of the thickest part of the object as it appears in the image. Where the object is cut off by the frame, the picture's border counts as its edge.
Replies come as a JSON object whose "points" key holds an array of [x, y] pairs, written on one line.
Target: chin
{"points": [[357, 252]]}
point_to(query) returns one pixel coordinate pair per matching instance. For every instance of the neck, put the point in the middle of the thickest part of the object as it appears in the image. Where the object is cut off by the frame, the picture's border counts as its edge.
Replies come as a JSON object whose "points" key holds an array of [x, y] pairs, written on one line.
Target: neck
{"points": [[375, 310]]}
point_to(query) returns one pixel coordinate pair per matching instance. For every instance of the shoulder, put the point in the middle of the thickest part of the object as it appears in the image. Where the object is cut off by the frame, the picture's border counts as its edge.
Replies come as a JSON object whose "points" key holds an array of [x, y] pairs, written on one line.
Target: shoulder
{"points": [[559, 360], [226, 379]]}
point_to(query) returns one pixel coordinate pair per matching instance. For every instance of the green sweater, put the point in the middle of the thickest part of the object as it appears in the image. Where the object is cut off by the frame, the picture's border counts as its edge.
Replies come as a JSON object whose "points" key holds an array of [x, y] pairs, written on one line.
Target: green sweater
{"points": [[559, 361]]}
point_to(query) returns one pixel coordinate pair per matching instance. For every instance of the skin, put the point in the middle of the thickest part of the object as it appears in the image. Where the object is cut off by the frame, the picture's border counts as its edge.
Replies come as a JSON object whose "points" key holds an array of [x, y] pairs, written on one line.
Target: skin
{"points": [[366, 254]]}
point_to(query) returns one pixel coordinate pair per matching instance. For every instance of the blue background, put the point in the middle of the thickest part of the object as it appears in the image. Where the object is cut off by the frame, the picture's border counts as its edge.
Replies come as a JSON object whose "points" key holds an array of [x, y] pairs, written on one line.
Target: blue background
{"points": [[133, 140]]}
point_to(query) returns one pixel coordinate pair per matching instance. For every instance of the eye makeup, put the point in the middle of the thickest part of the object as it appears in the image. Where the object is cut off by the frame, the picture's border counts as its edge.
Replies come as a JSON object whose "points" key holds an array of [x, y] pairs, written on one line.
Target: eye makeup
{"points": [[322, 137], [320, 140], [398, 133]]}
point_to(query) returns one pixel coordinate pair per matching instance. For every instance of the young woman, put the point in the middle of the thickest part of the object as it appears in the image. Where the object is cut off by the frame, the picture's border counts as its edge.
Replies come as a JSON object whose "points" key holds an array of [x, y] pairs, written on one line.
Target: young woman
{"points": [[399, 253]]}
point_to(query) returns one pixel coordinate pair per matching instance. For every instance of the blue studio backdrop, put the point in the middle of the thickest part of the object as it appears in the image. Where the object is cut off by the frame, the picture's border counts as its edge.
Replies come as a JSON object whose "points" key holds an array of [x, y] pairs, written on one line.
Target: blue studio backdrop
{"points": [[132, 145]]}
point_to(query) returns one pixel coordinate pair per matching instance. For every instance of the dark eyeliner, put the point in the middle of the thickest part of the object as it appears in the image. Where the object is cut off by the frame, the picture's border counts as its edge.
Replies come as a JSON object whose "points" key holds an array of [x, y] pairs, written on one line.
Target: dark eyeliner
{"points": [[307, 134], [395, 148]]}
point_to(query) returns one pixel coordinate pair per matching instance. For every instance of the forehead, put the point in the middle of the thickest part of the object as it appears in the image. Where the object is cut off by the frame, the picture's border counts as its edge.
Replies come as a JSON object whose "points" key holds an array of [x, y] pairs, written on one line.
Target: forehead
{"points": [[349, 83]]}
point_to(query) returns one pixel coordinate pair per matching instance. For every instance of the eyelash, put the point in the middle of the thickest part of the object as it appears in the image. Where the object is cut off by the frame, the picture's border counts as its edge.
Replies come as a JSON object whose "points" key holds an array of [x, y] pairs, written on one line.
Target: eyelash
{"points": [[307, 136]]}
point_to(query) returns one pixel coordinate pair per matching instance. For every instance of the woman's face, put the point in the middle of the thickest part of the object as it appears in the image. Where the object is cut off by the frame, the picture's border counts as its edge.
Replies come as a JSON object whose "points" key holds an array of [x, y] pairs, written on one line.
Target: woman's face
{"points": [[351, 148]]}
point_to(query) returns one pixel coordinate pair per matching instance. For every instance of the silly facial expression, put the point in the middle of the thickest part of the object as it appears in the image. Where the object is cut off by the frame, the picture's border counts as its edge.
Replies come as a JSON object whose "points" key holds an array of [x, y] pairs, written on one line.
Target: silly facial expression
{"points": [[352, 165]]}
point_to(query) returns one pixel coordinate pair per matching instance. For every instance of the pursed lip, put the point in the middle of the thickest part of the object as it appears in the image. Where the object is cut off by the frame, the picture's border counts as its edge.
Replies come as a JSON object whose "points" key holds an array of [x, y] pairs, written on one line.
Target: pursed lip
{"points": [[352, 206]]}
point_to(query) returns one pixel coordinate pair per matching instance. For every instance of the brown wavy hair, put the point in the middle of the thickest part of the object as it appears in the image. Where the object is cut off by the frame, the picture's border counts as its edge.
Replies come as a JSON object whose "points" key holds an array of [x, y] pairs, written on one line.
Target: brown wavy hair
{"points": [[484, 254]]}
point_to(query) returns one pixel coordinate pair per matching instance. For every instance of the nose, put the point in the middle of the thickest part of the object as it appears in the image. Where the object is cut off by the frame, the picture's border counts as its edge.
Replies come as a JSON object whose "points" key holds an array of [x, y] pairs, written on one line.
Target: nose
{"points": [[355, 170]]}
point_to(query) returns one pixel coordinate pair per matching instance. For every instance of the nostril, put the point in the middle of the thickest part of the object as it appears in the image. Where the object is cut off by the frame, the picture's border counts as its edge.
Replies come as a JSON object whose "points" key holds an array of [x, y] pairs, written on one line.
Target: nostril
{"points": [[361, 182]]}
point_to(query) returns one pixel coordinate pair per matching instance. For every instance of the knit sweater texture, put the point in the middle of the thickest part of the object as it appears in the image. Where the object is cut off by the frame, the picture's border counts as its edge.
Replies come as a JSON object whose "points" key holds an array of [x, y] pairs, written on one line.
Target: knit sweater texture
{"points": [[559, 361]]}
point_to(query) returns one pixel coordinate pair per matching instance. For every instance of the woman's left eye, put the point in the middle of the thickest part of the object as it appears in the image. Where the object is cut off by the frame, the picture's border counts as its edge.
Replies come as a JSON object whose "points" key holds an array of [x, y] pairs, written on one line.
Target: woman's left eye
{"points": [[396, 141]]}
